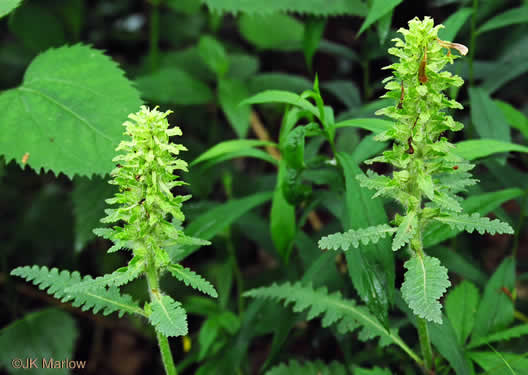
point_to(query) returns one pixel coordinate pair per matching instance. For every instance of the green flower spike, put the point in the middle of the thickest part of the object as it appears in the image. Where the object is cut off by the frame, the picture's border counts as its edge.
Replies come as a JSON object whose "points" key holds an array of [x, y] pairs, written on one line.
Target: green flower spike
{"points": [[148, 221], [427, 175]]}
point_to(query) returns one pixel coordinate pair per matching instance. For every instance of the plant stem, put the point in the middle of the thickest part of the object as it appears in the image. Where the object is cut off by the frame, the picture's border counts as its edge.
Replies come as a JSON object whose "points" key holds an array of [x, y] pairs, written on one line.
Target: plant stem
{"points": [[166, 355], [425, 343], [154, 35], [163, 342]]}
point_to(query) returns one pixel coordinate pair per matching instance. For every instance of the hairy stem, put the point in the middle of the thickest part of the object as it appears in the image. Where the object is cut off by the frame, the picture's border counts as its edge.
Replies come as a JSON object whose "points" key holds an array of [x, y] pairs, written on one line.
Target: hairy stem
{"points": [[425, 344], [163, 342]]}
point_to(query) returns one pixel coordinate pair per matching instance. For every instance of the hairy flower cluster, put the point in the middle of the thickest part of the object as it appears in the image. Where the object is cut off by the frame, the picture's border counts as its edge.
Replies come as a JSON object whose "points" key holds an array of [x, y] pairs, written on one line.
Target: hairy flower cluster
{"points": [[145, 176], [421, 154]]}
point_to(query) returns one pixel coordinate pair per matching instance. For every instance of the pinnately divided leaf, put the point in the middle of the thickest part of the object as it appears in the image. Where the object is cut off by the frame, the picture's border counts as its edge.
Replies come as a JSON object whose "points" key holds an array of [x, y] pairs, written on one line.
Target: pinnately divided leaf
{"points": [[425, 282], [119, 277], [473, 222], [167, 316], [332, 307], [69, 108], [192, 279], [56, 283], [354, 237]]}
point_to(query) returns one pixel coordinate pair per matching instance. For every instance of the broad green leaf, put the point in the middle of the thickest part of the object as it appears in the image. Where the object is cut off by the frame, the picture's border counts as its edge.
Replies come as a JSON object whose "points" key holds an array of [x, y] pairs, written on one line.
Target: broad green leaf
{"points": [[230, 93], [510, 17], [174, 86], [480, 148], [482, 204], [457, 263], [378, 9], [461, 306], [214, 221], [77, 98], [315, 7], [278, 96], [486, 117], [88, 197], [192, 279], [454, 23], [272, 31], [167, 316], [514, 118], [425, 282], [501, 336], [44, 334], [282, 220], [278, 81], [228, 147], [495, 311], [37, 26], [371, 267], [501, 363], [214, 55], [313, 32], [374, 125], [7, 6], [444, 339]]}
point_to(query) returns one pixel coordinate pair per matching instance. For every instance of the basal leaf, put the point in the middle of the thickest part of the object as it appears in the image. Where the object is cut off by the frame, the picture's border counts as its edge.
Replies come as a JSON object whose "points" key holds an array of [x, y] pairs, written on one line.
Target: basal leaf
{"points": [[461, 306], [69, 107], [501, 336], [501, 363], [425, 282], [175, 86], [315, 7], [495, 311]]}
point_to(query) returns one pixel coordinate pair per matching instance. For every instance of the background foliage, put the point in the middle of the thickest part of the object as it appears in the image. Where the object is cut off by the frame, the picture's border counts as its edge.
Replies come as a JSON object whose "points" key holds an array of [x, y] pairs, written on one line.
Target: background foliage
{"points": [[263, 178]]}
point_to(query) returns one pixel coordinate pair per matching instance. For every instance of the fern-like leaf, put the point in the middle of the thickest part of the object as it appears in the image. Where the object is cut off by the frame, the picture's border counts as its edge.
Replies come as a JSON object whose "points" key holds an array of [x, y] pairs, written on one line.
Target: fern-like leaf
{"points": [[308, 368], [406, 231], [353, 237], [167, 316], [119, 277], [105, 300], [333, 308], [192, 279], [476, 222], [425, 282], [501, 336]]}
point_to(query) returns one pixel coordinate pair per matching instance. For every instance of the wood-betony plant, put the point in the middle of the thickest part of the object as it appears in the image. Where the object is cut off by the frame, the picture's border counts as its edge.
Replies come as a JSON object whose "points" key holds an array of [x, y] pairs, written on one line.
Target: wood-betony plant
{"points": [[147, 221], [427, 175]]}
